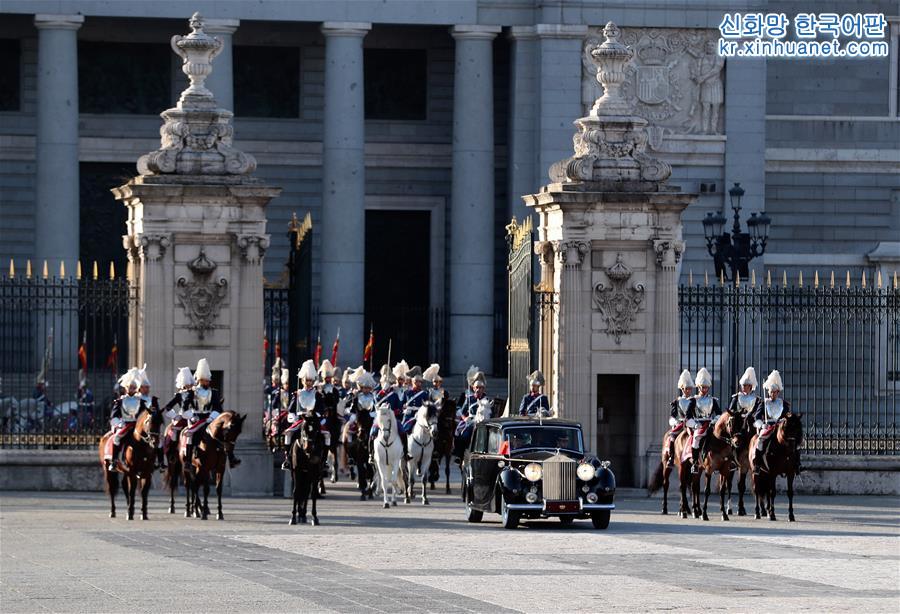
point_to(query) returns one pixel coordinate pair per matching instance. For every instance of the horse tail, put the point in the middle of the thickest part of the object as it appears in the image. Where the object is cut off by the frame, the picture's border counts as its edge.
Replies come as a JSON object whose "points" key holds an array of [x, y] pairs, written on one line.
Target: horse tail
{"points": [[656, 480]]}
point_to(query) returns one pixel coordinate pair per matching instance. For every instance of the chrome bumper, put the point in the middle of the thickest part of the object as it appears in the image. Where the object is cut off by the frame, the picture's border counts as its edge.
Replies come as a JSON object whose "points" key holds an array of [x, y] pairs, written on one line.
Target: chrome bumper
{"points": [[539, 507]]}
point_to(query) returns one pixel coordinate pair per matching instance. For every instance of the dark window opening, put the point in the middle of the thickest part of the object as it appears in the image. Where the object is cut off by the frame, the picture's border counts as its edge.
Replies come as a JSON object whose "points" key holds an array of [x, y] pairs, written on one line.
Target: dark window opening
{"points": [[102, 217], [266, 81], [10, 74], [395, 83], [124, 78]]}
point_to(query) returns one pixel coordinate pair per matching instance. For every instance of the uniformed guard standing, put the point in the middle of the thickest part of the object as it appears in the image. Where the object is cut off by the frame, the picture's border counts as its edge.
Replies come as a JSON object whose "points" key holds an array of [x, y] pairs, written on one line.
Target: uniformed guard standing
{"points": [[535, 403]]}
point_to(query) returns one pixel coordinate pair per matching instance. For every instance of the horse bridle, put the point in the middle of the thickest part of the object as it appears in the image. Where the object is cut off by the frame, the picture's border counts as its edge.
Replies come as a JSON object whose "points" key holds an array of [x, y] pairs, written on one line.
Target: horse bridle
{"points": [[146, 436]]}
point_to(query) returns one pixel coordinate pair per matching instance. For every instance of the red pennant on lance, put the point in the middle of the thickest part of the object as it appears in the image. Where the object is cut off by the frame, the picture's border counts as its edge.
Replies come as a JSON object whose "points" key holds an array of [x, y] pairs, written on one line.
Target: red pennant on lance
{"points": [[82, 352], [318, 353], [113, 360], [370, 345], [334, 348]]}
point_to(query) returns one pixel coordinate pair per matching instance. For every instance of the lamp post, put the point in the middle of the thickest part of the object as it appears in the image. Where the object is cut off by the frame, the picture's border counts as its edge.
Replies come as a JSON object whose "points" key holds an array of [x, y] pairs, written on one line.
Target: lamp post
{"points": [[735, 249]]}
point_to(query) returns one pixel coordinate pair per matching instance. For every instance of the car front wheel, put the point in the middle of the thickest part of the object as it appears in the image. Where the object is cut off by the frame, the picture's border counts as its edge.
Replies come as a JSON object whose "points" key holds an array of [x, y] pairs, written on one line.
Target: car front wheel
{"points": [[600, 519], [508, 517]]}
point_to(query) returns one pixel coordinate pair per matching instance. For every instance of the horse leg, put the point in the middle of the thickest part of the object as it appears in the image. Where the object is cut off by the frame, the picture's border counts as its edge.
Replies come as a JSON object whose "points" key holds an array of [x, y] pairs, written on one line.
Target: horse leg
{"points": [[447, 473], [409, 486], [724, 482], [308, 485], [424, 489], [334, 469], [145, 493], [219, 515], [112, 484], [758, 495], [315, 497], [790, 494], [666, 473], [172, 483], [729, 509], [771, 498], [132, 490], [683, 486], [294, 496], [706, 495], [742, 487], [205, 505]]}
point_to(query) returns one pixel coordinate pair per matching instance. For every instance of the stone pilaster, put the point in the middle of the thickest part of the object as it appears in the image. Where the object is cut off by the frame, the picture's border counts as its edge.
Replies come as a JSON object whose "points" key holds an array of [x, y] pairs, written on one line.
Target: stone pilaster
{"points": [[472, 201], [571, 373], [221, 81], [666, 355], [343, 223], [523, 174], [56, 184]]}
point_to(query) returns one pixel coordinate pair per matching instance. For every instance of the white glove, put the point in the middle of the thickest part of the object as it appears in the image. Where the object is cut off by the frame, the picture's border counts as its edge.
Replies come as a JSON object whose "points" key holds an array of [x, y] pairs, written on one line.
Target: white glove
{"points": [[692, 424], [170, 414], [292, 417], [213, 415], [287, 440], [759, 424], [115, 422], [189, 414], [672, 421], [327, 438]]}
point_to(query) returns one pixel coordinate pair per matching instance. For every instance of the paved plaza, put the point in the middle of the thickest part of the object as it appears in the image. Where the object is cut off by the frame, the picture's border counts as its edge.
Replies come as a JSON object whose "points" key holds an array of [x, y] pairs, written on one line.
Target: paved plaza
{"points": [[60, 553]]}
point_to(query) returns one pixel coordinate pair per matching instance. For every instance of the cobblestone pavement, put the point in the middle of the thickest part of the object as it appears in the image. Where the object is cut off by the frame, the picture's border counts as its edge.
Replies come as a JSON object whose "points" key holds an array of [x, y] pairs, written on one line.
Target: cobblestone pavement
{"points": [[60, 553]]}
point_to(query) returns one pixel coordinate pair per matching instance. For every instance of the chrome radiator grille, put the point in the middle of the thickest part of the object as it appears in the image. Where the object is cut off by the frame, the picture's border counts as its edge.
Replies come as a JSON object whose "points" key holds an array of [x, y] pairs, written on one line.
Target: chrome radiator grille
{"points": [[559, 478]]}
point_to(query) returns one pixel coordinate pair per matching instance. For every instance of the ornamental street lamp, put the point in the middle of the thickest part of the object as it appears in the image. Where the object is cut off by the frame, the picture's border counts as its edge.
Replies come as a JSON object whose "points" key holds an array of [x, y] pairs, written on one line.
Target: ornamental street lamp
{"points": [[735, 249]]}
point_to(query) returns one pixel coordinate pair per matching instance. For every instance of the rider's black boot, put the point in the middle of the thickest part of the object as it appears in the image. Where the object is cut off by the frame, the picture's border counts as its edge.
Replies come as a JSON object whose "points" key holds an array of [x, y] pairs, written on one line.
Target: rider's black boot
{"points": [[233, 460], [160, 459], [286, 465], [695, 460], [671, 461]]}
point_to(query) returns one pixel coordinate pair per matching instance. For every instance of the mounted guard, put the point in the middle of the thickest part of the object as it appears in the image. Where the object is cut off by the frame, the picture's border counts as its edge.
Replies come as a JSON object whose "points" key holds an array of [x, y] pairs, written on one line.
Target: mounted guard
{"points": [[415, 398], [681, 407], [125, 410], [701, 414], [306, 404], [766, 417], [535, 403], [151, 402]]}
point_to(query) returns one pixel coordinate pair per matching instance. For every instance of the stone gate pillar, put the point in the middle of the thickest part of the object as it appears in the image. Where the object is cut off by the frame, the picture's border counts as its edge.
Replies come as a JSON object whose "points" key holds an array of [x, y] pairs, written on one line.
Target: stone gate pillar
{"points": [[196, 237], [610, 242]]}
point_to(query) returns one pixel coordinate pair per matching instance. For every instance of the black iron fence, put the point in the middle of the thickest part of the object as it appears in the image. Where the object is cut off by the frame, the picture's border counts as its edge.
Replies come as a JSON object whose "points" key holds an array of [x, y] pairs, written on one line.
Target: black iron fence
{"points": [[837, 348], [63, 343]]}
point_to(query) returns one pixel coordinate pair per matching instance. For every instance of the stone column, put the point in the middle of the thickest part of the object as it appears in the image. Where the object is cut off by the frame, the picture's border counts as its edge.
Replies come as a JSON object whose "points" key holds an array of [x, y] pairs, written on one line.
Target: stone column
{"points": [[572, 375], [56, 204], [343, 187], [221, 81], [472, 201], [523, 175]]}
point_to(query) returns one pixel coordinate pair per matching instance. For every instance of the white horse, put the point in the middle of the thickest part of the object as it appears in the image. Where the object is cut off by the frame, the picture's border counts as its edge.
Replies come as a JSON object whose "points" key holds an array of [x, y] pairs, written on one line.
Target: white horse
{"points": [[388, 452], [484, 411], [421, 447]]}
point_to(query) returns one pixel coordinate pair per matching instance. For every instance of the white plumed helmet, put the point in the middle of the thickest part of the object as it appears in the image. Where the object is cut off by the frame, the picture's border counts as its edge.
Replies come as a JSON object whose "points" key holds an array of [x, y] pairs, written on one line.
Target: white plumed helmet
{"points": [[132, 377], [202, 371], [401, 369], [365, 380], [326, 369], [285, 376], [685, 380], [773, 382], [184, 378], [749, 377], [432, 372], [307, 371], [703, 378]]}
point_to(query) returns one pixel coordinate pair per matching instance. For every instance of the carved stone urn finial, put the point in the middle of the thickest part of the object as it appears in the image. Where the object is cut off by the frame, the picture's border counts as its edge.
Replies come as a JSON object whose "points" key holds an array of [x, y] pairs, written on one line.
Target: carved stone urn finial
{"points": [[611, 58], [197, 51]]}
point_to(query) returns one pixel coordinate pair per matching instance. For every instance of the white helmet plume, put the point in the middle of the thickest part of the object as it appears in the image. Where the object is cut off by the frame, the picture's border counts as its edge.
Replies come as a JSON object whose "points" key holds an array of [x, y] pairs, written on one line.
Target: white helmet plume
{"points": [[184, 378], [773, 382], [703, 378], [145, 379], [307, 371], [326, 369], [432, 372], [202, 371], [685, 380], [749, 377]]}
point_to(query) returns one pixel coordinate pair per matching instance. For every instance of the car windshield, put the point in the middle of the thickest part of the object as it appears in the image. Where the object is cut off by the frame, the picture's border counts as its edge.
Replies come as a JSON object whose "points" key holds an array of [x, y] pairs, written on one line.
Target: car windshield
{"points": [[553, 437]]}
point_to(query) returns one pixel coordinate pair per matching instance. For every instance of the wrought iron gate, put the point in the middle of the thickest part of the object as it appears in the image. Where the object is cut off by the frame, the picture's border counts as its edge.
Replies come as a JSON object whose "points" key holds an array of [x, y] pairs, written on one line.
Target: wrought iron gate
{"points": [[520, 320], [837, 348]]}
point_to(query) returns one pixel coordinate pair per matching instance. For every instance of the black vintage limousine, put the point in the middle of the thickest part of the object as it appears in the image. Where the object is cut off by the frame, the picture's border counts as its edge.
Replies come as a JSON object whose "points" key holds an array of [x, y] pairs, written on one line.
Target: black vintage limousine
{"points": [[529, 468]]}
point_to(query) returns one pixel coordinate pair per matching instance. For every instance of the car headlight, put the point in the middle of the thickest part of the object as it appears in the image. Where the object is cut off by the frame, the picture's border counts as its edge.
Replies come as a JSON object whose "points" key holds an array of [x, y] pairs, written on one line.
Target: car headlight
{"points": [[585, 472], [533, 472], [531, 497]]}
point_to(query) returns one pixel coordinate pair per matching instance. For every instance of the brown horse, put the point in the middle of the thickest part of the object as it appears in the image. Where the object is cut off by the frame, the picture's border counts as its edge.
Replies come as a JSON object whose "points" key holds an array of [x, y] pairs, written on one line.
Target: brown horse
{"points": [[139, 455], [780, 458], [443, 444], [173, 461], [742, 460], [217, 441], [660, 477], [719, 458]]}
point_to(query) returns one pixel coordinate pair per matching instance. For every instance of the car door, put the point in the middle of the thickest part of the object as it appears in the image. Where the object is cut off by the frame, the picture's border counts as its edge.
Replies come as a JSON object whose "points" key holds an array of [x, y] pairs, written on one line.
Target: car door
{"points": [[487, 442]]}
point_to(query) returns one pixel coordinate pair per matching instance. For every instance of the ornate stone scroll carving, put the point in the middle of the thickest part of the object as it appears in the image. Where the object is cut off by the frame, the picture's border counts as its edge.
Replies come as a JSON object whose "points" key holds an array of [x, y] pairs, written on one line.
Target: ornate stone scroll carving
{"points": [[571, 253], [619, 302], [196, 136], [153, 246], [201, 297], [675, 81], [253, 247], [668, 252]]}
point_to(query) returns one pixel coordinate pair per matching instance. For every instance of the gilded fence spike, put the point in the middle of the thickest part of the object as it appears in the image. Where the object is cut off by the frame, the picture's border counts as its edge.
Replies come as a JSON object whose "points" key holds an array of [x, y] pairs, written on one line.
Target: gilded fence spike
{"points": [[848, 278], [784, 279], [832, 280], [769, 278], [62, 269], [112, 269], [864, 279], [45, 271], [691, 277], [28, 269], [706, 278], [722, 277], [895, 280], [737, 278], [879, 279], [800, 280], [816, 280], [12, 269], [78, 269], [753, 278], [96, 274]]}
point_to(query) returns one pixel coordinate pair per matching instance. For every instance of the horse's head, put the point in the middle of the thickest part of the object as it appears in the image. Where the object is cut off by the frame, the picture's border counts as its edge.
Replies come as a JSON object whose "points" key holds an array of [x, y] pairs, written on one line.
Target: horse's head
{"points": [[484, 410], [790, 430], [384, 417], [148, 425], [427, 416], [734, 423], [227, 428], [311, 438]]}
